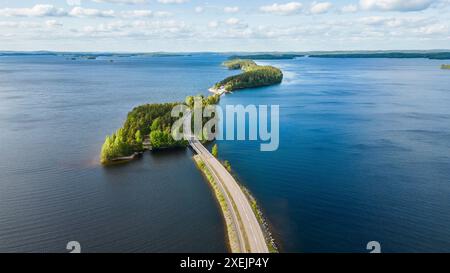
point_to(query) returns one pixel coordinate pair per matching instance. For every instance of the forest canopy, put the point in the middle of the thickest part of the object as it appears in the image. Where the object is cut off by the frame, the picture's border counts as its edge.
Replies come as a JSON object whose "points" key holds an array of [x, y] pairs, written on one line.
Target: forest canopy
{"points": [[253, 76], [151, 122]]}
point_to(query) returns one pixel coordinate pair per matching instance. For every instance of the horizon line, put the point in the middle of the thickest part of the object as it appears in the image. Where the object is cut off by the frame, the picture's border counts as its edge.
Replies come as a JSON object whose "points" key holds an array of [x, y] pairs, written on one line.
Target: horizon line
{"points": [[221, 52]]}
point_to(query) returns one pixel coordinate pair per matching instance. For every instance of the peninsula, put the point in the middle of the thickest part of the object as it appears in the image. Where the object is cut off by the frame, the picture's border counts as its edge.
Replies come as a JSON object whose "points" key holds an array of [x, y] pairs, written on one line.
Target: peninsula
{"points": [[148, 127], [253, 76]]}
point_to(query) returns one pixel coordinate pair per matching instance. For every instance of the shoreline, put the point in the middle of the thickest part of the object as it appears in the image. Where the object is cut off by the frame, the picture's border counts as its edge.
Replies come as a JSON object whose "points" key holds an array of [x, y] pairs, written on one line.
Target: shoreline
{"points": [[219, 91], [231, 232], [226, 188], [250, 233], [270, 240]]}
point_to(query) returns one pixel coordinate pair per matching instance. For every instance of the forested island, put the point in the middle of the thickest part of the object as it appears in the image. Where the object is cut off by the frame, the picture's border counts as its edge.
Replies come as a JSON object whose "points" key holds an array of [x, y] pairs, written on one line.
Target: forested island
{"points": [[148, 124], [253, 76], [149, 127], [445, 66]]}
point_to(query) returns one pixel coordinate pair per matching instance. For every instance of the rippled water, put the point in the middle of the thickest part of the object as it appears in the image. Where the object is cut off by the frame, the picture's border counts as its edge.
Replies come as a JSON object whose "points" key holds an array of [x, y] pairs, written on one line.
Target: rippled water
{"points": [[364, 155], [54, 115]]}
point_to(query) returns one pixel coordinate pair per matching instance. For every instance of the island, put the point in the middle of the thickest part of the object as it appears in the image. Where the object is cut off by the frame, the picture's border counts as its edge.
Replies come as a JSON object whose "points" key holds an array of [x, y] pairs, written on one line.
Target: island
{"points": [[254, 75], [149, 127], [445, 66]]}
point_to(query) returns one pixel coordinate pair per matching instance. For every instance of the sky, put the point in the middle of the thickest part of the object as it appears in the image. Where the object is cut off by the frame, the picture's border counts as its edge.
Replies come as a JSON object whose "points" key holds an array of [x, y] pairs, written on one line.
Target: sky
{"points": [[223, 26]]}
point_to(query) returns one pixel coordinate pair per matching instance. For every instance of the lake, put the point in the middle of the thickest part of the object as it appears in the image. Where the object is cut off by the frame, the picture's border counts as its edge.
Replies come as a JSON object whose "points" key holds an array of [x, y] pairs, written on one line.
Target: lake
{"points": [[364, 156]]}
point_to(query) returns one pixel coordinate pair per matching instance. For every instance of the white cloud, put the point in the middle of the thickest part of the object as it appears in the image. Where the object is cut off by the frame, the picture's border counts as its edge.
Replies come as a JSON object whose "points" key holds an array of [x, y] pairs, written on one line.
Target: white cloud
{"points": [[73, 2], [126, 2], [137, 29], [213, 24], [53, 23], [137, 13], [77, 11], [231, 9], [434, 29], [388, 23], [30, 25], [320, 7], [199, 9], [396, 5], [374, 20], [144, 13], [162, 14], [282, 9], [172, 1], [19, 24], [36, 11], [83, 12], [349, 9], [232, 21]]}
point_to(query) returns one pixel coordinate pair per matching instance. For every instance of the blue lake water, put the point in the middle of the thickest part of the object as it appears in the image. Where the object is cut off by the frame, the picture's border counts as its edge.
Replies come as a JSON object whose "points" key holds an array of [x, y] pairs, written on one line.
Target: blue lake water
{"points": [[364, 155]]}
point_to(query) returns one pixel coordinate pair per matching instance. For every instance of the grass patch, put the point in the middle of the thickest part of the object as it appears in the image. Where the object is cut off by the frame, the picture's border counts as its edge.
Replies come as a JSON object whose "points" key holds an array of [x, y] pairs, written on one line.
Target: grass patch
{"points": [[231, 231]]}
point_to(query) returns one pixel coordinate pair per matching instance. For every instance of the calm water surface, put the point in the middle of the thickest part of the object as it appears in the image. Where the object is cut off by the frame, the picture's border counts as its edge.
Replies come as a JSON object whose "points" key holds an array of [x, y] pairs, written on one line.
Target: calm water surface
{"points": [[54, 115], [364, 155]]}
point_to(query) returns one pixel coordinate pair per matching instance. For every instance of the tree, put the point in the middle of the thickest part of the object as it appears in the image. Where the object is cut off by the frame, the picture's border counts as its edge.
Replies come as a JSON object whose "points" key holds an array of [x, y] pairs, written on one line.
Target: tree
{"points": [[138, 138], [189, 101], [144, 120], [156, 124], [211, 100], [215, 151], [157, 139], [227, 165], [106, 150], [115, 146]]}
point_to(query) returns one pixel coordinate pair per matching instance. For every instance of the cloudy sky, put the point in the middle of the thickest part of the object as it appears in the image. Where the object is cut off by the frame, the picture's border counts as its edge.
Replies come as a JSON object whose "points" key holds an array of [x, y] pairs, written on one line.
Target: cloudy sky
{"points": [[245, 25]]}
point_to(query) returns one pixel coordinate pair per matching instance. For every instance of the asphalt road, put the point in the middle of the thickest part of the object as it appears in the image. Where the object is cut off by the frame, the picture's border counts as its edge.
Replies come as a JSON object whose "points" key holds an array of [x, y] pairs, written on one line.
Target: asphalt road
{"points": [[250, 227]]}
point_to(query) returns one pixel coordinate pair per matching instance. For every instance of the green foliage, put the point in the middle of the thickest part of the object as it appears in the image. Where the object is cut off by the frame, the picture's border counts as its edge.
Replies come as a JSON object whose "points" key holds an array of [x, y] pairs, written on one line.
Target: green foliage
{"points": [[227, 165], [155, 120], [215, 150], [156, 124], [200, 102], [116, 146], [140, 122], [190, 101], [239, 64], [141, 118], [158, 139], [163, 139], [254, 76], [445, 66], [210, 100], [138, 139]]}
